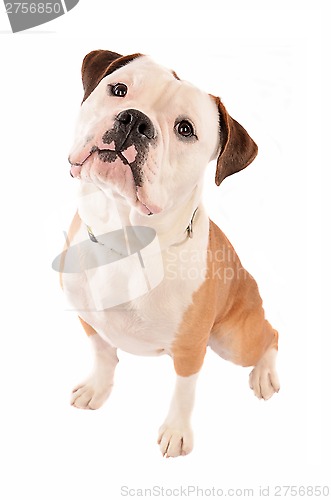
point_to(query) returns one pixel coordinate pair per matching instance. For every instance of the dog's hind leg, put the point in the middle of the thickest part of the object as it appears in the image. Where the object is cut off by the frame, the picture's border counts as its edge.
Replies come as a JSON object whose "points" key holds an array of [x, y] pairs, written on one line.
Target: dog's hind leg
{"points": [[94, 391], [255, 344], [263, 379]]}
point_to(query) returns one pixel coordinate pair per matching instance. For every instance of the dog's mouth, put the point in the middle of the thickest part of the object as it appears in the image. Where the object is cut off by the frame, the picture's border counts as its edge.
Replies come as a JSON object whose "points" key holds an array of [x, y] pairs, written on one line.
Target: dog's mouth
{"points": [[127, 157], [104, 154]]}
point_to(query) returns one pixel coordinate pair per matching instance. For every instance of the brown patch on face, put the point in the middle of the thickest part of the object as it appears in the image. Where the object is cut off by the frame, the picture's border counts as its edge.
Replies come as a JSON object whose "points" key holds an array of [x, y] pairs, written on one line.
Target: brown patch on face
{"points": [[100, 63], [226, 313], [238, 149]]}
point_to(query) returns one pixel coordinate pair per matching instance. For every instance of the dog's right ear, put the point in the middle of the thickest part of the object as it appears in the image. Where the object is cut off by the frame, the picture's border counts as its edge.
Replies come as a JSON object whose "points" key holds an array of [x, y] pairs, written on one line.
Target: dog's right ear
{"points": [[93, 68], [98, 64]]}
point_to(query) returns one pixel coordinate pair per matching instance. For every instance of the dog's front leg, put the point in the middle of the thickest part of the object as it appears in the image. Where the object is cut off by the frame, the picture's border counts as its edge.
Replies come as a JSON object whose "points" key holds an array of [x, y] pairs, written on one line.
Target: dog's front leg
{"points": [[188, 352], [93, 391], [175, 435]]}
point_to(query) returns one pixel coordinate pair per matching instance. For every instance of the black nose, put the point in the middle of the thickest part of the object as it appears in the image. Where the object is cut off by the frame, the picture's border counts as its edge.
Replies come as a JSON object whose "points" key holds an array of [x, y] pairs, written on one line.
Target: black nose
{"points": [[136, 122]]}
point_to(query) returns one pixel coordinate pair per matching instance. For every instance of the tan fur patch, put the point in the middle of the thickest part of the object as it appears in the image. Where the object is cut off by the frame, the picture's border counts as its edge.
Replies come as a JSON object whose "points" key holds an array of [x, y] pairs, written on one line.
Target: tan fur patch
{"points": [[226, 313], [88, 328], [73, 230]]}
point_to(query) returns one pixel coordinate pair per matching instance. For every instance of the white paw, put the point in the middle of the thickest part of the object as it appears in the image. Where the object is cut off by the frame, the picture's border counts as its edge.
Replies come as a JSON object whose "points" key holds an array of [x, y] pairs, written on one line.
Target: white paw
{"points": [[91, 394], [175, 440], [263, 379]]}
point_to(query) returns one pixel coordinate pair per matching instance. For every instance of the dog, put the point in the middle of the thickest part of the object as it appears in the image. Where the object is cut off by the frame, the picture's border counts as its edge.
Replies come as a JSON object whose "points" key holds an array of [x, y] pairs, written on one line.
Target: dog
{"points": [[143, 265]]}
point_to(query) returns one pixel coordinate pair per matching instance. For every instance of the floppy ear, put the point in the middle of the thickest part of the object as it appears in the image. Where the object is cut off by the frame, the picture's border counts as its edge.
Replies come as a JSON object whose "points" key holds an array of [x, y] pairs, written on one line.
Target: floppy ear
{"points": [[98, 64], [238, 149]]}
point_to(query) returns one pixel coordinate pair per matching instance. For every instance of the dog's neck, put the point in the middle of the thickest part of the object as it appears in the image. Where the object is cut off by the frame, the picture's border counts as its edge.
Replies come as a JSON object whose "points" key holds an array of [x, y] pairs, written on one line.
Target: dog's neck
{"points": [[172, 224], [105, 212]]}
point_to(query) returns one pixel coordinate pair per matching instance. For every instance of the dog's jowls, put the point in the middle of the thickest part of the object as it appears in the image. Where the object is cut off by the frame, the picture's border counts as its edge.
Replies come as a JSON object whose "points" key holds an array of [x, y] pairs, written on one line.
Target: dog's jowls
{"points": [[144, 267]]}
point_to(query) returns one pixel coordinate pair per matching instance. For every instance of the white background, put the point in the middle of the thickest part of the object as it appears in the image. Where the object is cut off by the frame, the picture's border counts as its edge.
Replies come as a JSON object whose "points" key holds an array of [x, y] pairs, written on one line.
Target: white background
{"points": [[267, 65]]}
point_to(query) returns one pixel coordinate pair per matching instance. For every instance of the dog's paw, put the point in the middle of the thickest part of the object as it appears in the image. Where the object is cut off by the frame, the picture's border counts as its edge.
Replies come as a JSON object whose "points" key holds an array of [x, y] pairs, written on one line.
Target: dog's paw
{"points": [[91, 394], [175, 440], [263, 379]]}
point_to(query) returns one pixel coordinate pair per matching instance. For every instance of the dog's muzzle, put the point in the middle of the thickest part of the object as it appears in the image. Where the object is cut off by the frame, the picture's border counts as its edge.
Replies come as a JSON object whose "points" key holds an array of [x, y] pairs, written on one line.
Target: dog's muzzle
{"points": [[131, 128], [130, 139]]}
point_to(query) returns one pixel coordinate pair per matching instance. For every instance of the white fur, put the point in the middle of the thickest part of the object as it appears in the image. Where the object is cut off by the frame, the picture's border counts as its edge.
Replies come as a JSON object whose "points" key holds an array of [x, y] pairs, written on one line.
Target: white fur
{"points": [[175, 435], [147, 325], [263, 379], [93, 392]]}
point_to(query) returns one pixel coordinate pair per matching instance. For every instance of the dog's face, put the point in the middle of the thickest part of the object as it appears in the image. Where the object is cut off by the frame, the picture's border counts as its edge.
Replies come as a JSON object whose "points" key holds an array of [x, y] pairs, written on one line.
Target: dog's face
{"points": [[147, 135]]}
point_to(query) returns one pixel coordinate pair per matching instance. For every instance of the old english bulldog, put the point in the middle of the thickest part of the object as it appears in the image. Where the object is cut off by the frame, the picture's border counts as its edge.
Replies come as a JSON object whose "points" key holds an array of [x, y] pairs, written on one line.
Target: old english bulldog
{"points": [[143, 140]]}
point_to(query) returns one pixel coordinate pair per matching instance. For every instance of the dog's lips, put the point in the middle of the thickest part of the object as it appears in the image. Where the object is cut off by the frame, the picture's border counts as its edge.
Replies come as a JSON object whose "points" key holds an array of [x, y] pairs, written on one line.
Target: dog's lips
{"points": [[75, 170], [76, 167], [144, 208], [127, 157], [151, 208]]}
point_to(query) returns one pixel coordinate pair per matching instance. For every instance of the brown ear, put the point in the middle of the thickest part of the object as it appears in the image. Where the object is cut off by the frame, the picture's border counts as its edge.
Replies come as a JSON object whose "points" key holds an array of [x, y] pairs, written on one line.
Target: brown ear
{"points": [[98, 64], [238, 149]]}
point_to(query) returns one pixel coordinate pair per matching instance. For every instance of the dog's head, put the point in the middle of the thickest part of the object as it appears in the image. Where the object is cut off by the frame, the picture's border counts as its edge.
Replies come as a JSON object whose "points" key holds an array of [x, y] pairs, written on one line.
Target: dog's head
{"points": [[148, 135]]}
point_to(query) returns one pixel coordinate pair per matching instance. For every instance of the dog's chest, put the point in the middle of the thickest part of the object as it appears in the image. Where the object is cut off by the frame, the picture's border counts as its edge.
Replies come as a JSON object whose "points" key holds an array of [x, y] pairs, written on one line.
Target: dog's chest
{"points": [[142, 327], [147, 324]]}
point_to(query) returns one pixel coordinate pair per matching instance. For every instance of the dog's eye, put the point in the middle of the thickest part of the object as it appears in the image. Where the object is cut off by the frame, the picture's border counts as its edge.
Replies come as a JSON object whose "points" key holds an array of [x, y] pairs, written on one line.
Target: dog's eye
{"points": [[119, 89], [185, 129]]}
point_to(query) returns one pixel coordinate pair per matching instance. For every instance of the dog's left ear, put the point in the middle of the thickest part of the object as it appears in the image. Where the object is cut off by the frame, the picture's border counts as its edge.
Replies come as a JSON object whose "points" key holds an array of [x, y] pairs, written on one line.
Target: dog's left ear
{"points": [[238, 149]]}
